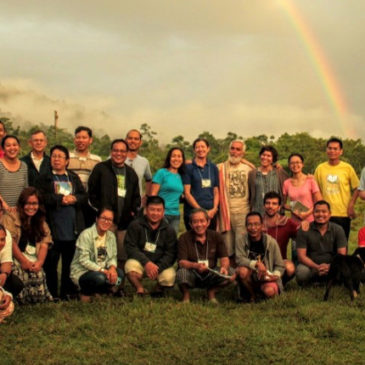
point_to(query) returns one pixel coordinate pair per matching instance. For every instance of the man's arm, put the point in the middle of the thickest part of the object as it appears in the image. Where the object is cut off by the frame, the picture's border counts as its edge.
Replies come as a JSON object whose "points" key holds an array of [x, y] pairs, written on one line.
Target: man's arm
{"points": [[351, 207]]}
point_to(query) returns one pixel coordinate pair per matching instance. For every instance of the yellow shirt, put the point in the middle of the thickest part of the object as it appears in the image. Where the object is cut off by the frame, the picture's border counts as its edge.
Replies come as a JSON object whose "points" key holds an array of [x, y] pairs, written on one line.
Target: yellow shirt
{"points": [[336, 184]]}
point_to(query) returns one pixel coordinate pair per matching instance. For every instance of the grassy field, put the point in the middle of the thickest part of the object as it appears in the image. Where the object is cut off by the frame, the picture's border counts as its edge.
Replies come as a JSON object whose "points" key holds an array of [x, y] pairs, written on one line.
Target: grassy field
{"points": [[297, 327]]}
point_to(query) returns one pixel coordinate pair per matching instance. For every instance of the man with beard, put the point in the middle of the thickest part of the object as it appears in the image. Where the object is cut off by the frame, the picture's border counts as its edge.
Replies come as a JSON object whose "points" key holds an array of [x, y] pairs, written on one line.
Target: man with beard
{"points": [[281, 228], [233, 195], [138, 163], [317, 246]]}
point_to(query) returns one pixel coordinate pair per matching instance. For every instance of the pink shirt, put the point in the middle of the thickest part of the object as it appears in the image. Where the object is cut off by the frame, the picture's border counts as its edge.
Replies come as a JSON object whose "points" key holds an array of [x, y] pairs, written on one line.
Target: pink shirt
{"points": [[303, 193]]}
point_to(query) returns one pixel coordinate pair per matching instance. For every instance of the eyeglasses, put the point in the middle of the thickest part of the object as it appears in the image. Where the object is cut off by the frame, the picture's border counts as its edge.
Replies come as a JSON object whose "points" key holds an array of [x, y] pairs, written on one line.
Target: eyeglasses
{"points": [[119, 151], [105, 219]]}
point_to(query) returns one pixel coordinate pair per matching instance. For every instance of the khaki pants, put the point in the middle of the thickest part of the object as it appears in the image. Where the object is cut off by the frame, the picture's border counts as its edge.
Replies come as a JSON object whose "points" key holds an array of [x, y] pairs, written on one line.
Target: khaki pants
{"points": [[165, 278]]}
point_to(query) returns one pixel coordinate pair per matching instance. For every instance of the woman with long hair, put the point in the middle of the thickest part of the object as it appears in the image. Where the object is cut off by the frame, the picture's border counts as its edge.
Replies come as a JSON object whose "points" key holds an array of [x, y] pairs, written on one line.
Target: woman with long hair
{"points": [[31, 239], [167, 183]]}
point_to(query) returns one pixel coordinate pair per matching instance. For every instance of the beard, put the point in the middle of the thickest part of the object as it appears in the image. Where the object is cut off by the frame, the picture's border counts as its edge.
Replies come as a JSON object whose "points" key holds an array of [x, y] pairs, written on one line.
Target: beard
{"points": [[234, 160]]}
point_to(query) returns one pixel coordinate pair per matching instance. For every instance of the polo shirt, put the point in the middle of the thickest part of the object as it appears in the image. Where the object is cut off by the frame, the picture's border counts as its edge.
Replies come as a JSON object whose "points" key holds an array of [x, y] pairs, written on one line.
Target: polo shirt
{"points": [[194, 175], [189, 249], [321, 249]]}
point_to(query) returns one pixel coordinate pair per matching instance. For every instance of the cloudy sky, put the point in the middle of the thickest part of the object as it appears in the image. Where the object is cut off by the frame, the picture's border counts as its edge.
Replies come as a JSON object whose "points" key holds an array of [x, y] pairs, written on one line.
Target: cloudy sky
{"points": [[184, 67]]}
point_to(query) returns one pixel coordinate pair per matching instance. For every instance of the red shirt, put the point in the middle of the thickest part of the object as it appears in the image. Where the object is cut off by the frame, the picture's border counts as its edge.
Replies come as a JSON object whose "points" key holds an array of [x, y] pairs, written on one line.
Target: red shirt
{"points": [[287, 228]]}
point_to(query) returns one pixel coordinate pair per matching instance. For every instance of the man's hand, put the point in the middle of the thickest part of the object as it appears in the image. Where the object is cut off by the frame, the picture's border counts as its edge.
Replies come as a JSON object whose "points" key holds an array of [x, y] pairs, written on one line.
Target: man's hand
{"points": [[351, 211], [212, 212], [201, 267], [323, 269], [151, 270], [261, 270]]}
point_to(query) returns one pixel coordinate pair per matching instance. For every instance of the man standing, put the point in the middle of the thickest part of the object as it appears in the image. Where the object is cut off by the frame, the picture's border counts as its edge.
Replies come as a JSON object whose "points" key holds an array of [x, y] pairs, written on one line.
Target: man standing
{"points": [[234, 201], [37, 161], [113, 184], [260, 265], [337, 180], [82, 163], [317, 246], [151, 248], [198, 253], [139, 164]]}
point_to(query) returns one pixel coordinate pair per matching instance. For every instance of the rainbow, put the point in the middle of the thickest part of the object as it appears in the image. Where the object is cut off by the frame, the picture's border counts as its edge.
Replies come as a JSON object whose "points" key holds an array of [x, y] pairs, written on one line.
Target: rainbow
{"points": [[320, 64]]}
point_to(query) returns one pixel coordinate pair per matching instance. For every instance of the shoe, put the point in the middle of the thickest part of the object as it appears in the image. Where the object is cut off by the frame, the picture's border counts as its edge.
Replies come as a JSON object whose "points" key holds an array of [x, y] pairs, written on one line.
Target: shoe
{"points": [[213, 301], [158, 294]]}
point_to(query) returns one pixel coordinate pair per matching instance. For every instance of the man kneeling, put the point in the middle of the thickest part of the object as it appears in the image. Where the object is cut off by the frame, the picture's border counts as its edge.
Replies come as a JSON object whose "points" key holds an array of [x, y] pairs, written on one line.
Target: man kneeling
{"points": [[199, 250], [260, 265], [94, 266], [151, 249]]}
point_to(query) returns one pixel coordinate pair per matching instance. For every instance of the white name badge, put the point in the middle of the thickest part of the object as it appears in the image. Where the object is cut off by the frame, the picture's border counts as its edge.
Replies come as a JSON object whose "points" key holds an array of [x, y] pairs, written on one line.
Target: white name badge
{"points": [[150, 247], [122, 192], [206, 183], [205, 262]]}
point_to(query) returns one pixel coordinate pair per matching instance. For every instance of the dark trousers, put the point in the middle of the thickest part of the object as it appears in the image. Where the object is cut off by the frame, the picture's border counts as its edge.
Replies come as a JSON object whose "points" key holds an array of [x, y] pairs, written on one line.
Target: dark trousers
{"points": [[96, 282], [344, 222], [13, 285], [66, 250]]}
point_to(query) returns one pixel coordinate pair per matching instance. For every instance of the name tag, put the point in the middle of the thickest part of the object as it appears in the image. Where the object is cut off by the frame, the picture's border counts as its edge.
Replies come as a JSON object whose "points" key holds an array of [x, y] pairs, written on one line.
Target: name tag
{"points": [[150, 247], [205, 262], [122, 192], [30, 250], [206, 183]]}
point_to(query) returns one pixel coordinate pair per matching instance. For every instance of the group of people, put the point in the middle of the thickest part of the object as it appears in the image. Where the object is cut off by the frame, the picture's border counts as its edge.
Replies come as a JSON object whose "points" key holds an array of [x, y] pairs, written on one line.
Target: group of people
{"points": [[110, 220]]}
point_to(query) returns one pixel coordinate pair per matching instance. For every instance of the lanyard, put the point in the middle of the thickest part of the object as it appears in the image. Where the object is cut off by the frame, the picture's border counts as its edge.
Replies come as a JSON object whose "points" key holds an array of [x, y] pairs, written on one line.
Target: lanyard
{"points": [[206, 251], [201, 176], [158, 235]]}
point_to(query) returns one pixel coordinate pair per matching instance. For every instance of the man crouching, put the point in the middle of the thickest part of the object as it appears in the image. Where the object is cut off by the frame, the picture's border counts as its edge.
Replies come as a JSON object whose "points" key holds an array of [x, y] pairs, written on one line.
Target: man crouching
{"points": [[151, 248], [260, 265], [198, 252]]}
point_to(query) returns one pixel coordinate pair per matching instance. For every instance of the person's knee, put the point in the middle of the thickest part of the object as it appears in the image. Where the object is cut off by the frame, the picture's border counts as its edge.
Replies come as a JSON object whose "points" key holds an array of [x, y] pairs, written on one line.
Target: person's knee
{"points": [[243, 273], [270, 290], [303, 274], [167, 277]]}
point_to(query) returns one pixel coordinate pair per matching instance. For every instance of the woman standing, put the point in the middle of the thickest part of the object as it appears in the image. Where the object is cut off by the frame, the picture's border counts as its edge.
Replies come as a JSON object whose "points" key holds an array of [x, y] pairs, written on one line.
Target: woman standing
{"points": [[13, 173], [201, 183], [265, 178], [64, 197], [167, 183], [31, 239], [301, 189]]}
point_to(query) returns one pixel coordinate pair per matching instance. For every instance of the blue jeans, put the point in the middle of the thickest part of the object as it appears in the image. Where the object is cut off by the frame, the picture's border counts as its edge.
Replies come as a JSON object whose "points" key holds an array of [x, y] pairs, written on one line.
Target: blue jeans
{"points": [[96, 282], [174, 222]]}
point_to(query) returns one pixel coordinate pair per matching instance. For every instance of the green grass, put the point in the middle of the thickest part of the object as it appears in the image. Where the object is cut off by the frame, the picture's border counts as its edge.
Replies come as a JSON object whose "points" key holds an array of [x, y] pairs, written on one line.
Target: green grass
{"points": [[297, 327]]}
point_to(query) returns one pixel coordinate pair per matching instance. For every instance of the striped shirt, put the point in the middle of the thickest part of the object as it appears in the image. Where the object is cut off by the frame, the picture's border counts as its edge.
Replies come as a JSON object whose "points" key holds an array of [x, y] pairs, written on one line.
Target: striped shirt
{"points": [[83, 166], [13, 183]]}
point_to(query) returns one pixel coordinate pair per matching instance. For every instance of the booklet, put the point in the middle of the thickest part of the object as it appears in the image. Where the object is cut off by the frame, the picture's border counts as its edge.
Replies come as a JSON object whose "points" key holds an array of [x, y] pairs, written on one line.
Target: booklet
{"points": [[219, 274]]}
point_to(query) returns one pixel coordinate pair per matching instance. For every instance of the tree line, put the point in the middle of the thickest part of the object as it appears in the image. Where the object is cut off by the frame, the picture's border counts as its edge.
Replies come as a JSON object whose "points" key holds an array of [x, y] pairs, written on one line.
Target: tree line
{"points": [[313, 149]]}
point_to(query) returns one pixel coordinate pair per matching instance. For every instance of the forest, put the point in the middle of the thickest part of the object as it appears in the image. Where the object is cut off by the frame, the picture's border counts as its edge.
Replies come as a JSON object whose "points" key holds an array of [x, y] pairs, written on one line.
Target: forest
{"points": [[313, 149]]}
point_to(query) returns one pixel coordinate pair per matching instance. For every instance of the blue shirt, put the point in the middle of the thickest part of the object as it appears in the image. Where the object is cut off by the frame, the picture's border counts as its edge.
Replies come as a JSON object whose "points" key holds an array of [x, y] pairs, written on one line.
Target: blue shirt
{"points": [[171, 188], [195, 176]]}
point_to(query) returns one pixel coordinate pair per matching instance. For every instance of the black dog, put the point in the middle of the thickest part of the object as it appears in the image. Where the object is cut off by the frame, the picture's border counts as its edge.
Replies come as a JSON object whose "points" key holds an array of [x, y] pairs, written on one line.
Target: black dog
{"points": [[349, 270]]}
